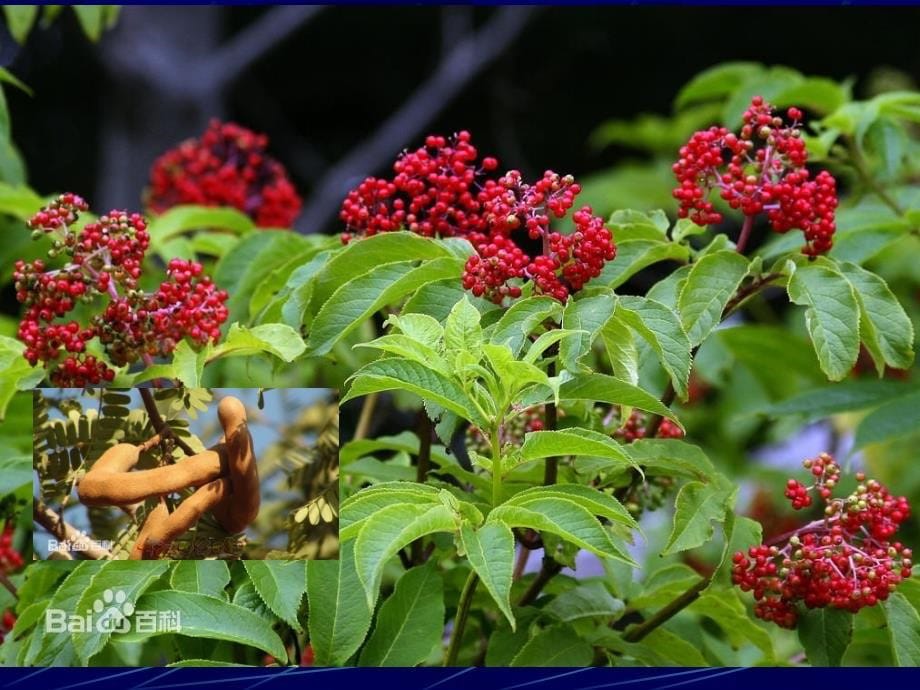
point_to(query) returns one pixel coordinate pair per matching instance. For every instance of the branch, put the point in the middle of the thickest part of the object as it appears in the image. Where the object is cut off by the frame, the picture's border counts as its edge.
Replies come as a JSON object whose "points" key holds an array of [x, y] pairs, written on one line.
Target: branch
{"points": [[367, 414], [255, 41], [663, 615], [461, 64], [159, 425], [421, 473], [6, 582], [55, 524], [548, 570]]}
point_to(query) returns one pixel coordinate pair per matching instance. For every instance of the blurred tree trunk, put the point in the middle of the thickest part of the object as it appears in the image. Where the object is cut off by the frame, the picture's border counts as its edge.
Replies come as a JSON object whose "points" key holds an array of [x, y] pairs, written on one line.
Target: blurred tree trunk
{"points": [[152, 101]]}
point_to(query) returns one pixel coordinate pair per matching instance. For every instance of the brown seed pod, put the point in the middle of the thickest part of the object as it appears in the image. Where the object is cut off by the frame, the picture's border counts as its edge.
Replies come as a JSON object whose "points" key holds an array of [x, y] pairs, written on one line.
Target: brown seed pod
{"points": [[241, 506], [162, 534], [110, 481], [155, 519]]}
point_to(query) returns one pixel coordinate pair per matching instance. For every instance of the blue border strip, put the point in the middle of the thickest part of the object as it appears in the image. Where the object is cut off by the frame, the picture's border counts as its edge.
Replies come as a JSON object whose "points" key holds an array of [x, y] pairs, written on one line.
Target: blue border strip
{"points": [[453, 678]]}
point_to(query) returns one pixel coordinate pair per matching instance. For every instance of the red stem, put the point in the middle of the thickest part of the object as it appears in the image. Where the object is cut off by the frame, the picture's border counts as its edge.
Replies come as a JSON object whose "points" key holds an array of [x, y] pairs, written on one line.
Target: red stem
{"points": [[745, 234]]}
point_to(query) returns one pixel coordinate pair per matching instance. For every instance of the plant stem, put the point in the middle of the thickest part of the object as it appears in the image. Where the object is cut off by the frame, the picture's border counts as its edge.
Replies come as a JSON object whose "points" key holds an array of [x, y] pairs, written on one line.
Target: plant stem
{"points": [[665, 614], [421, 472], [521, 563], [159, 425], [548, 570], [55, 524], [367, 412], [463, 612], [6, 582], [551, 468], [745, 234], [496, 466]]}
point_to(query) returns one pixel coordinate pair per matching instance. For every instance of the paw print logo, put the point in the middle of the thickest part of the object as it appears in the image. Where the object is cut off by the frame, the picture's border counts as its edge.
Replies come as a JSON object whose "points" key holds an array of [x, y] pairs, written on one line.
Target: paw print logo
{"points": [[112, 612]]}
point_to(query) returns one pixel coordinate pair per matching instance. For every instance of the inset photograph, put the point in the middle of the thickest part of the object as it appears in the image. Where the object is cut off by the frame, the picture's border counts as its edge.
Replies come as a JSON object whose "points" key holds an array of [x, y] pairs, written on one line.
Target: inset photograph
{"points": [[185, 473]]}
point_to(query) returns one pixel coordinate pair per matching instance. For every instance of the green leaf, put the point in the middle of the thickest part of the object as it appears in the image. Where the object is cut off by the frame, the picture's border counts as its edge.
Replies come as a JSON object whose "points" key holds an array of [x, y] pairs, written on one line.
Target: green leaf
{"points": [[19, 201], [710, 284], [203, 577], [847, 396], [361, 256], [462, 332], [894, 419], [522, 318], [388, 530], [183, 219], [660, 327], [903, 630], [831, 316], [559, 645], [717, 82], [438, 298], [607, 389], [634, 255], [19, 20], [357, 508], [825, 634], [57, 648], [621, 349], [594, 500], [884, 326], [410, 622], [94, 19], [664, 585], [339, 617], [276, 339], [514, 374], [564, 518], [663, 648], [726, 609], [283, 283], [214, 618], [490, 551], [590, 600], [355, 301], [672, 456], [15, 472], [112, 580], [698, 506], [781, 361], [407, 348], [421, 328], [281, 585], [403, 374], [574, 441], [588, 314], [770, 84], [250, 262], [818, 94]]}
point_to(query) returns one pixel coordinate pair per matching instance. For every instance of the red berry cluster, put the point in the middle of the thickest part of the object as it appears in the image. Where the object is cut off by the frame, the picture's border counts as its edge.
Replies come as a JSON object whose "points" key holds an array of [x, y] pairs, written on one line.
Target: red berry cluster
{"points": [[105, 259], [567, 262], [10, 559], [765, 172], [441, 190], [433, 192], [844, 560], [634, 428], [513, 431], [227, 166]]}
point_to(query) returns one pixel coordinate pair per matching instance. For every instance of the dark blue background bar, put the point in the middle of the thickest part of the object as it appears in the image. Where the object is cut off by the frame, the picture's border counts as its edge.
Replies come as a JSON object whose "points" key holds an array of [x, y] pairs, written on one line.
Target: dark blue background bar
{"points": [[455, 679]]}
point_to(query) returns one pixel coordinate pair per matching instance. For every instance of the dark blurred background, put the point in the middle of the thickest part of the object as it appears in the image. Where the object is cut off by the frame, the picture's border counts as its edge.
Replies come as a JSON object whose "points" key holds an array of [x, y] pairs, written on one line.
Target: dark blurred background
{"points": [[341, 90]]}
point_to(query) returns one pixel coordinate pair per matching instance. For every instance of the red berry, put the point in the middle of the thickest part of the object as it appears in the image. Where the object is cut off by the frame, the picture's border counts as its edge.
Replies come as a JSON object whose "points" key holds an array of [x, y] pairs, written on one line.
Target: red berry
{"points": [[227, 166]]}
